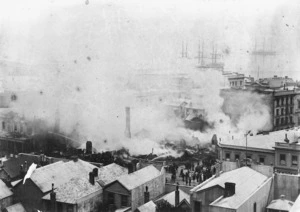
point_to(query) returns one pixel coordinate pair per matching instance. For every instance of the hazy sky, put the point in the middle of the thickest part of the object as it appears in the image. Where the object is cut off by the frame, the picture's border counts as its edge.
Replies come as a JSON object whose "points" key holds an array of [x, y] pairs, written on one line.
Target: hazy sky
{"points": [[136, 34]]}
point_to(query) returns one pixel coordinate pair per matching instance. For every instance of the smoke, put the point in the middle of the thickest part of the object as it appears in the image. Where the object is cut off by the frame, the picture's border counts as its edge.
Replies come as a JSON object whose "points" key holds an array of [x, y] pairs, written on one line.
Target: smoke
{"points": [[81, 61]]}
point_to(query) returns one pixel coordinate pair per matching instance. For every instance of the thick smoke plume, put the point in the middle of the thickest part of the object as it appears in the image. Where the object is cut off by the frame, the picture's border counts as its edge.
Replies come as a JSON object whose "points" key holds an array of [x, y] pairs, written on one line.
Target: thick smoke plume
{"points": [[79, 61]]}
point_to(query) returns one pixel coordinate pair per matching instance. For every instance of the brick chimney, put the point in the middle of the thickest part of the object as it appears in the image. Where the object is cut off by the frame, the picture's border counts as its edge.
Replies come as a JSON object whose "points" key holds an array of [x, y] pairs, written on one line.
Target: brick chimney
{"points": [[229, 189], [177, 195], [89, 147], [92, 178], [127, 129], [95, 172], [146, 195], [53, 199]]}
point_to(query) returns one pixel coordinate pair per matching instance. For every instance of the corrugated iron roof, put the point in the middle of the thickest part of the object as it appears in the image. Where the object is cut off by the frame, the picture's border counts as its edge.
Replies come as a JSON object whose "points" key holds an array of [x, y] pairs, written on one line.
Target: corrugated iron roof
{"points": [[4, 190], [16, 208], [246, 180], [139, 177], [170, 197], [148, 207], [60, 173]]}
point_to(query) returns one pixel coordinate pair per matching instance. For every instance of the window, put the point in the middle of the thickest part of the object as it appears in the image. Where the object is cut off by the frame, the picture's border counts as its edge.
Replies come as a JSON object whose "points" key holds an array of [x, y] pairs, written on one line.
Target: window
{"points": [[227, 156], [197, 206], [291, 119], [286, 120], [124, 200], [70, 208], [298, 103], [282, 121], [282, 111], [254, 207], [241, 82], [3, 125], [249, 156], [111, 198], [236, 156], [277, 122], [291, 109], [277, 112], [294, 160], [261, 159], [282, 160]]}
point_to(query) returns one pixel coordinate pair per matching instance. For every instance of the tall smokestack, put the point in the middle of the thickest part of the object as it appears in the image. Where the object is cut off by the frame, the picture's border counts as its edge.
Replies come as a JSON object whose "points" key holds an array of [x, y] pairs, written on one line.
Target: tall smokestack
{"points": [[127, 130], [88, 147]]}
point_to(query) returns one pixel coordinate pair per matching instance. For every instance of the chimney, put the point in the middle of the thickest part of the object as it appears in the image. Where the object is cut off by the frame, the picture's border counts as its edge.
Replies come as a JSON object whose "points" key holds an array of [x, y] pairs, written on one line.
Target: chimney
{"points": [[130, 168], [282, 196], [92, 178], [218, 169], [127, 130], [229, 189], [22, 174], [177, 195], [95, 172], [53, 199], [89, 147], [146, 195], [286, 139], [25, 167]]}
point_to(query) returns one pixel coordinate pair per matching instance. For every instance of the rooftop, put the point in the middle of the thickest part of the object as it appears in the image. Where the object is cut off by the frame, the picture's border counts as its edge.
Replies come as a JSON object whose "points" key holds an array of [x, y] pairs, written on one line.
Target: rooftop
{"points": [[16, 207], [296, 206], [4, 190], [78, 187], [281, 204], [73, 190], [246, 180], [60, 173], [148, 207], [261, 141], [110, 173], [139, 177], [170, 197]]}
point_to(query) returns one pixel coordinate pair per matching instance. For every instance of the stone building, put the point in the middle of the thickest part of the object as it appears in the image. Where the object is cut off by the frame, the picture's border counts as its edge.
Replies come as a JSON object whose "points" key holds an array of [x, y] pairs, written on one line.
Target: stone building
{"points": [[279, 149], [135, 189]]}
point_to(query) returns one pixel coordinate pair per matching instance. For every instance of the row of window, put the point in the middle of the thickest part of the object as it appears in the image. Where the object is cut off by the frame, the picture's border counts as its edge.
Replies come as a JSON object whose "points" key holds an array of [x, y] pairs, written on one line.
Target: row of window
{"points": [[261, 158], [283, 101], [283, 161], [284, 111], [284, 120], [235, 83]]}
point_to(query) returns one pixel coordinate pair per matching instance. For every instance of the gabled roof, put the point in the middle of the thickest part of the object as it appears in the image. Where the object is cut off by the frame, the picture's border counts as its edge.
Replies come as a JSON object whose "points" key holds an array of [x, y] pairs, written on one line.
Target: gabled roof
{"points": [[16, 208], [246, 180], [12, 165], [139, 177], [60, 173], [170, 197], [148, 207], [78, 187], [281, 205], [4, 190], [110, 173], [73, 190]]}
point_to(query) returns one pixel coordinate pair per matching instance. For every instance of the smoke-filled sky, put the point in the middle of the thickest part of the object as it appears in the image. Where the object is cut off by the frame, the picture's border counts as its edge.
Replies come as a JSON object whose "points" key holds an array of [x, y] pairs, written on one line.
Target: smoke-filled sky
{"points": [[78, 55]]}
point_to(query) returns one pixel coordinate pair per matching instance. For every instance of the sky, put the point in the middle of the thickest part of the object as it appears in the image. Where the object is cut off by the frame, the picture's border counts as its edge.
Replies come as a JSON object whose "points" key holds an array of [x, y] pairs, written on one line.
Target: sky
{"points": [[150, 34], [79, 55]]}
